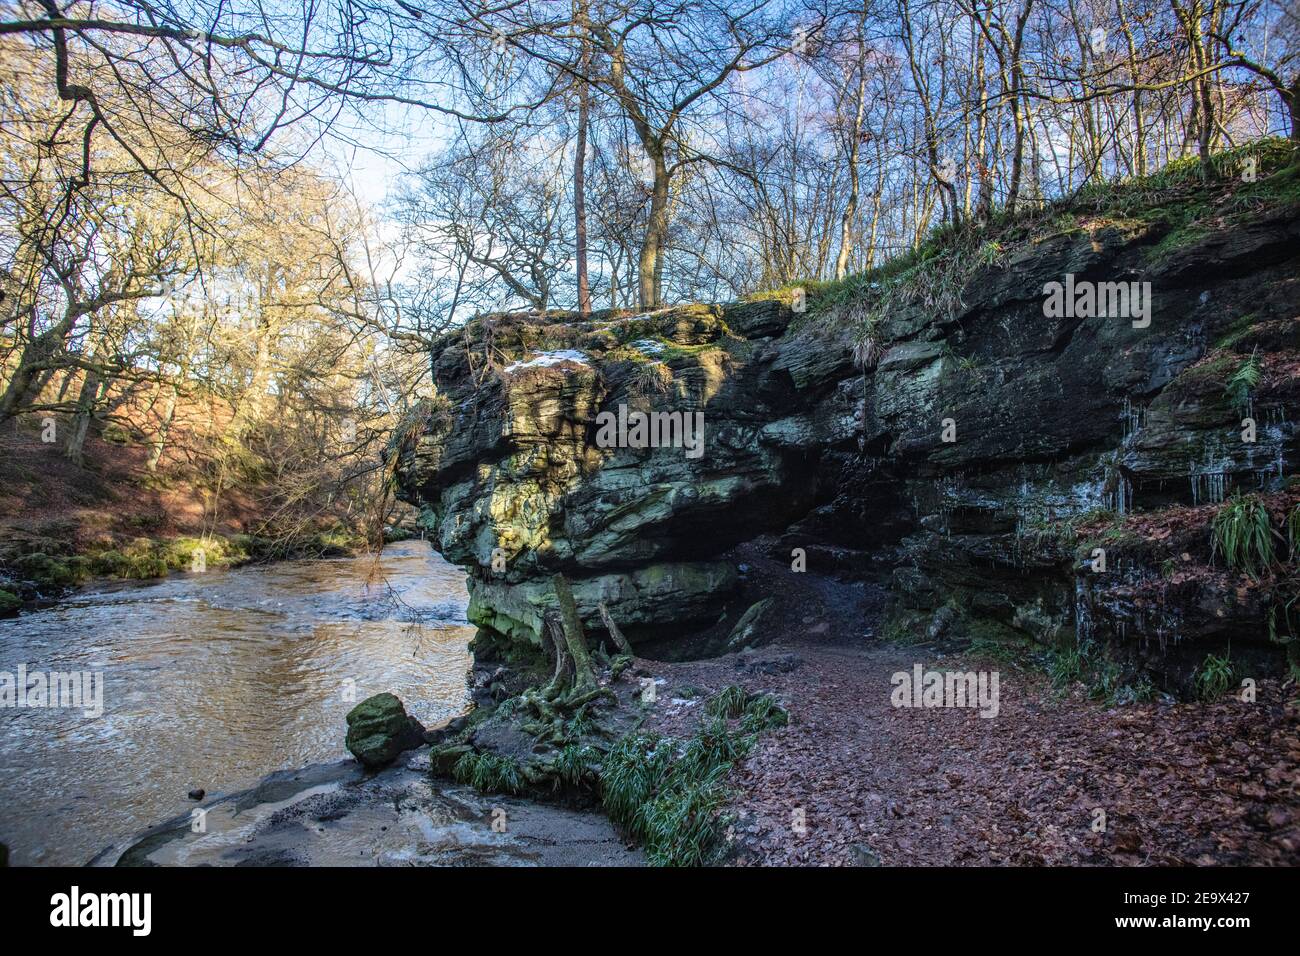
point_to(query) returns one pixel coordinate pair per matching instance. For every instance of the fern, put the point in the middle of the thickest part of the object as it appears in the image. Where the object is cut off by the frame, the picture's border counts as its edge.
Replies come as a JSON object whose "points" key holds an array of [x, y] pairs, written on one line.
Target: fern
{"points": [[1243, 382]]}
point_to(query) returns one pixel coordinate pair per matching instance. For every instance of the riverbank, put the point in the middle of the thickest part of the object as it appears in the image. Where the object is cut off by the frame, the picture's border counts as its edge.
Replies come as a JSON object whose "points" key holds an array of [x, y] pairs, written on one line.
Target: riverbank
{"points": [[66, 525], [1055, 779], [1054, 773], [38, 571], [211, 681], [1062, 774], [337, 814]]}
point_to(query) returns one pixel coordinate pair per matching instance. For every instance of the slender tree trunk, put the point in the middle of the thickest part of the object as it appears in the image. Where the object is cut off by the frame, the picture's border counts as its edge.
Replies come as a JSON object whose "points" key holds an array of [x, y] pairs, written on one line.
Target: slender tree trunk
{"points": [[1139, 120], [580, 168], [648, 264], [875, 221], [94, 387], [251, 405], [1017, 150], [164, 428], [615, 634], [1293, 105], [87, 399], [855, 139]]}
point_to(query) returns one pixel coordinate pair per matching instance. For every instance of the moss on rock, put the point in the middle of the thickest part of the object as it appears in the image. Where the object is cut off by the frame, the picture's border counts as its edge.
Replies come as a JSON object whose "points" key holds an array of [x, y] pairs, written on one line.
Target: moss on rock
{"points": [[379, 728]]}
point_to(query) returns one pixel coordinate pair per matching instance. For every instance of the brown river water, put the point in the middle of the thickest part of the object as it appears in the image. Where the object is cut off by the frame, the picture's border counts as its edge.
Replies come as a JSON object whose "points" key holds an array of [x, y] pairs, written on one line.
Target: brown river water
{"points": [[213, 680]]}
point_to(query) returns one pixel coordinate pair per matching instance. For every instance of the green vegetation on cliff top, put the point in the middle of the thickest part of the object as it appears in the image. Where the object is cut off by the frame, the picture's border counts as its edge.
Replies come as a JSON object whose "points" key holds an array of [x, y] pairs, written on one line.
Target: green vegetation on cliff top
{"points": [[1181, 203]]}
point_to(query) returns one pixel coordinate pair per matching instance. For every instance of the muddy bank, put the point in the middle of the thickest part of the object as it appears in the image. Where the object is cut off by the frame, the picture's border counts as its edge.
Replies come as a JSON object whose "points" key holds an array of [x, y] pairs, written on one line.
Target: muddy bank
{"points": [[337, 814]]}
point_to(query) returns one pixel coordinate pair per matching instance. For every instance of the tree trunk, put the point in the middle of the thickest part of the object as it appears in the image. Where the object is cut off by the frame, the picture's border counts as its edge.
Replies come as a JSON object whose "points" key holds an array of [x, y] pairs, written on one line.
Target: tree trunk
{"points": [[36, 353], [583, 679], [249, 410], [580, 170], [648, 265], [87, 399], [1017, 150], [553, 628], [855, 140], [160, 439], [615, 634], [1293, 107]]}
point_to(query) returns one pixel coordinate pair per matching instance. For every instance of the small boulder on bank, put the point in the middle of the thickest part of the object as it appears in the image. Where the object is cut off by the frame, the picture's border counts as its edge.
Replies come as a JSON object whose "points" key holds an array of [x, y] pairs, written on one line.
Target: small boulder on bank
{"points": [[746, 628], [379, 728]]}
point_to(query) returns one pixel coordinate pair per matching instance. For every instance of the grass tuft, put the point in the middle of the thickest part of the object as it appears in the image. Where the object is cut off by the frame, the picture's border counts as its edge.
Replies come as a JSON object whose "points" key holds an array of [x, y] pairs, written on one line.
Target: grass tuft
{"points": [[1215, 677], [729, 702], [577, 765], [635, 768], [489, 773], [668, 795], [1293, 532], [762, 712], [1242, 536]]}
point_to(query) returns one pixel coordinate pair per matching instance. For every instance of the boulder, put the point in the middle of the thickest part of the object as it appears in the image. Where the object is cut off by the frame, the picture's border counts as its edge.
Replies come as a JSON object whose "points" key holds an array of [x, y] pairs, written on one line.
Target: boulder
{"points": [[746, 629], [379, 728]]}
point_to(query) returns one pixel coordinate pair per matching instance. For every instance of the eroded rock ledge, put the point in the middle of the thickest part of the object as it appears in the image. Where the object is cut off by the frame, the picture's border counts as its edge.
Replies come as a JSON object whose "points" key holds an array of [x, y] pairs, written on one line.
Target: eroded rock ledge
{"points": [[1071, 434]]}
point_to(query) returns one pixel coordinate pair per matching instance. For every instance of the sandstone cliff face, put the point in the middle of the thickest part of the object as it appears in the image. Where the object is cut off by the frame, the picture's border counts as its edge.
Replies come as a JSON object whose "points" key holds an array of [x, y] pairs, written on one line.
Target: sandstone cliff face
{"points": [[1066, 434], [517, 488]]}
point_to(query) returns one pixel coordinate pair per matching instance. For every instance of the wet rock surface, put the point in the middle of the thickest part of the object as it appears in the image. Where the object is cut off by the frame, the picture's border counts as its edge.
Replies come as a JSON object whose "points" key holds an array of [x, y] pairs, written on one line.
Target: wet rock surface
{"points": [[339, 815]]}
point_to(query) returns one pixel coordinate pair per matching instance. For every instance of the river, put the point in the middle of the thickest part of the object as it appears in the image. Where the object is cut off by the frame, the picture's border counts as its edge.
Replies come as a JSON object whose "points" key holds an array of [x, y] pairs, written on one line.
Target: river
{"points": [[212, 680]]}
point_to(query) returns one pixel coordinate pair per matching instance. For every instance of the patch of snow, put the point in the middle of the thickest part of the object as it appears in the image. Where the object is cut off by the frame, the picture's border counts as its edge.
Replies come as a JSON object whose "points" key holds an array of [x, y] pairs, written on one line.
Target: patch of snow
{"points": [[545, 359], [648, 346]]}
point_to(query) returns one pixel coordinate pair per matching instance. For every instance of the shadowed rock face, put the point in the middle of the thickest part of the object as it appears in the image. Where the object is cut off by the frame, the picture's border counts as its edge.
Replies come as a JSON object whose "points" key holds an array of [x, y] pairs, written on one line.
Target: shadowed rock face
{"points": [[1063, 426], [510, 468]]}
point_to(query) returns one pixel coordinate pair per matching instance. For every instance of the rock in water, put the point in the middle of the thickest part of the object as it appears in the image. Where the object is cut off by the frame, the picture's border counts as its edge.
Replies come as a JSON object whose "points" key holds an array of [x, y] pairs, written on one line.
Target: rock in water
{"points": [[379, 728]]}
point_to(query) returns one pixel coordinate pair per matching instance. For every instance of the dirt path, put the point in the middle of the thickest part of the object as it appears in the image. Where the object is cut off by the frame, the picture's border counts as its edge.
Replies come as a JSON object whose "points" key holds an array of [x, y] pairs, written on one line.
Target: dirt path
{"points": [[1189, 783]]}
